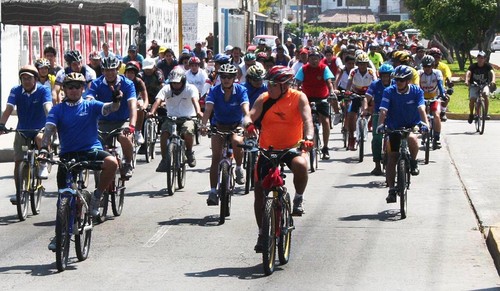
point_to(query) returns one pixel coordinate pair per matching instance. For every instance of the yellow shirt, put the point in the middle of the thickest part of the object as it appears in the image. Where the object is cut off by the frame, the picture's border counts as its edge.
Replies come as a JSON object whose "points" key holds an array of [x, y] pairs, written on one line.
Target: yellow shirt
{"points": [[445, 70], [416, 78]]}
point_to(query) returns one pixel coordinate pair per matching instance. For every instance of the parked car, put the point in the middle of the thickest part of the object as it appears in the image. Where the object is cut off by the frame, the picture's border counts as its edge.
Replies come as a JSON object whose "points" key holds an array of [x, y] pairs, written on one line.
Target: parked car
{"points": [[495, 44]]}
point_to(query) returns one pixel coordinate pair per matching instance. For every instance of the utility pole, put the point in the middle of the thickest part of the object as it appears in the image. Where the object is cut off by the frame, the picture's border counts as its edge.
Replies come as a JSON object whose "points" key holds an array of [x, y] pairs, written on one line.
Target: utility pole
{"points": [[347, 4], [301, 19], [216, 27], [179, 24]]}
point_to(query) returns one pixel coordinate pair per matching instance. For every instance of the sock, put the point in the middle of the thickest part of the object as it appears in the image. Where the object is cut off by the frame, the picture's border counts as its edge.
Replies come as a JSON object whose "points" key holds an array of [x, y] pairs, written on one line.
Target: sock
{"points": [[238, 168], [97, 194], [437, 135], [297, 196], [213, 190], [443, 109]]}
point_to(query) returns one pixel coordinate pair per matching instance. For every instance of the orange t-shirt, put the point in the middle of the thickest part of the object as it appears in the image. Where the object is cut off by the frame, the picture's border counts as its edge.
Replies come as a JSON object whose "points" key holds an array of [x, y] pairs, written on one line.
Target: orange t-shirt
{"points": [[282, 126]]}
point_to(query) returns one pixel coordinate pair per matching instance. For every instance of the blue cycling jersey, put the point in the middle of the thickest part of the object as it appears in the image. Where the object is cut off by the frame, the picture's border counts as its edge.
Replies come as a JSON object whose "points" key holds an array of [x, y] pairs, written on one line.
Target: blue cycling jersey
{"points": [[402, 108], [376, 90], [227, 113], [254, 93]]}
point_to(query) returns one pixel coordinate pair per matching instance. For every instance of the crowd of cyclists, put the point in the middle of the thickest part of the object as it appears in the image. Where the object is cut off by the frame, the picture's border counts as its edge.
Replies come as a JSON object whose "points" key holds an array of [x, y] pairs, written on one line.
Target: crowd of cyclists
{"points": [[266, 92]]}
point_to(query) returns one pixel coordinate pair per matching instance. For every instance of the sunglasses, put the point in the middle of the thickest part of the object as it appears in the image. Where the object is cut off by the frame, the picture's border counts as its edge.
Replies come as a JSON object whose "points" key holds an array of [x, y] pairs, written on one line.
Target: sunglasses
{"points": [[400, 80], [73, 86], [226, 77], [255, 79], [272, 83]]}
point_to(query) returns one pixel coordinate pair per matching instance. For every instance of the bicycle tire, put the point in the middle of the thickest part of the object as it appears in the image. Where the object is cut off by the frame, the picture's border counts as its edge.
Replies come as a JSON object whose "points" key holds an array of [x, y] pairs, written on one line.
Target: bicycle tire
{"points": [[269, 237], [171, 168], [22, 195], [250, 164], [181, 168], [151, 150], [62, 234], [312, 156], [36, 197], [147, 139], [361, 139], [402, 167], [286, 225], [478, 116], [224, 193], [317, 143], [83, 236], [118, 196], [103, 207], [427, 146], [483, 118]]}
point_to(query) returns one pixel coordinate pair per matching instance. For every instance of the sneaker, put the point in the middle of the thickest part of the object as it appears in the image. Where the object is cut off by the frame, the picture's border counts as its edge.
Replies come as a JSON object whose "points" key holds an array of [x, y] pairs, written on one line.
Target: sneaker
{"points": [[326, 154], [13, 200], [191, 160], [52, 244], [94, 205], [55, 141], [127, 170], [240, 176], [142, 149], [443, 116], [488, 117], [436, 145], [471, 118], [138, 137], [391, 198], [336, 118], [162, 167], [298, 210], [377, 171], [43, 171], [259, 246], [414, 171], [213, 199]]}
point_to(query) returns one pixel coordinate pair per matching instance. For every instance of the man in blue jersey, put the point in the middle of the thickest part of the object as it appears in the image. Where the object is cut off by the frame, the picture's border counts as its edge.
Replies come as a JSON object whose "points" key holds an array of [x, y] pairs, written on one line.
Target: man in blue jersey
{"points": [[402, 106], [104, 89], [374, 98], [75, 120], [229, 104], [33, 102], [255, 83]]}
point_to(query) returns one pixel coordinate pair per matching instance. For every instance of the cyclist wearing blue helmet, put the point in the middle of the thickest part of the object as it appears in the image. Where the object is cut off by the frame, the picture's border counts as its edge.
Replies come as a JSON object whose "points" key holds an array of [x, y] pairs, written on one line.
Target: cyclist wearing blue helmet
{"points": [[402, 106], [219, 60], [374, 97]]}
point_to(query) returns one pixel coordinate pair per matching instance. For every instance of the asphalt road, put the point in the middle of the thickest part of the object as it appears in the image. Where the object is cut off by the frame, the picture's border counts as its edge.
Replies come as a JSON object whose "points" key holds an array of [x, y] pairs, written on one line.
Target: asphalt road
{"points": [[349, 238]]}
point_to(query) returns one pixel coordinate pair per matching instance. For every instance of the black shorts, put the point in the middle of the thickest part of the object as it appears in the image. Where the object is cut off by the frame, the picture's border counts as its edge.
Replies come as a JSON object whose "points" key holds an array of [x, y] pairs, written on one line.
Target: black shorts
{"points": [[263, 164], [93, 155], [322, 106], [354, 105]]}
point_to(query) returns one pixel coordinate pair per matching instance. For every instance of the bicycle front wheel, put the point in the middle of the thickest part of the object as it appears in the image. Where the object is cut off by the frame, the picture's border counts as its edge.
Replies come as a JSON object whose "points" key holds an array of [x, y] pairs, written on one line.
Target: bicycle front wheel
{"points": [[83, 236], [482, 117], [286, 225], [62, 234], [171, 170], [22, 194], [427, 145], [401, 183], [269, 237], [103, 207], [361, 138], [147, 139], [181, 168], [118, 196], [225, 202], [36, 197], [250, 164]]}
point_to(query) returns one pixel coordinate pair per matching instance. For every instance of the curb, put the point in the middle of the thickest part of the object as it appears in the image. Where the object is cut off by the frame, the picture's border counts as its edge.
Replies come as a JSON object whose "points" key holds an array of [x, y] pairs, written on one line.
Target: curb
{"points": [[6, 155], [465, 116], [492, 242]]}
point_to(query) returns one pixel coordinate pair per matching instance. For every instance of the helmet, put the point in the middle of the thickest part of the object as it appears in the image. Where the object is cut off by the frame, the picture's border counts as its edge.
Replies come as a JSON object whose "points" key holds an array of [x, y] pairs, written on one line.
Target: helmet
{"points": [[249, 57], [194, 60], [435, 52], [221, 59], [256, 72], [314, 53], [148, 64], [401, 56], [94, 56], [280, 74], [74, 77], [110, 63], [386, 69], [261, 55], [228, 69], [427, 61], [362, 58], [402, 72], [134, 66], [175, 76], [73, 56], [29, 70], [42, 62]]}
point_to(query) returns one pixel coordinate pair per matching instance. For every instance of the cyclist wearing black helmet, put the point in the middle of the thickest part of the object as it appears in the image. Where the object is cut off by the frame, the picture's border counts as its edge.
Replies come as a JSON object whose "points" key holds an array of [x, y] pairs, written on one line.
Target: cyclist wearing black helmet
{"points": [[132, 70], [105, 89]]}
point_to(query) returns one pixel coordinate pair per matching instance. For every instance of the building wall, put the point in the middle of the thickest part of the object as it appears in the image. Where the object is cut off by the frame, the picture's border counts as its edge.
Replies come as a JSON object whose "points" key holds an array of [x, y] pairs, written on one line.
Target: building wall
{"points": [[393, 6], [197, 22], [12, 59]]}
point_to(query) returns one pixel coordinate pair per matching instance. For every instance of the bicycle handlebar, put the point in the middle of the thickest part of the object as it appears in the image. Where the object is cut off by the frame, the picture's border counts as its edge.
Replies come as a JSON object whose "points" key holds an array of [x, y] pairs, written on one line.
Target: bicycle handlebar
{"points": [[73, 164]]}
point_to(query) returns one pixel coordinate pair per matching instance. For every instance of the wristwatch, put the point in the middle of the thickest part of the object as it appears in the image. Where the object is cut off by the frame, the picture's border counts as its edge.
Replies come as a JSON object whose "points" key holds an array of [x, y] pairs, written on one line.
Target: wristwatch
{"points": [[309, 137]]}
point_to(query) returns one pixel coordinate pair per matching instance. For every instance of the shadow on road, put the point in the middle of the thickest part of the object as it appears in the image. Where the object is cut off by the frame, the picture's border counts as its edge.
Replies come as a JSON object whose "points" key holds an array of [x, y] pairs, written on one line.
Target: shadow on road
{"points": [[248, 273], [464, 133], [7, 177], [211, 220], [36, 270], [387, 215], [9, 219], [371, 184]]}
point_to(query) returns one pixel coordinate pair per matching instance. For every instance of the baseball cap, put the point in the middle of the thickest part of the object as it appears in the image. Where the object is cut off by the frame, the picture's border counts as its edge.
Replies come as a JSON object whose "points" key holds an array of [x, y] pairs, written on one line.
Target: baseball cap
{"points": [[162, 49], [188, 47], [228, 48], [132, 48], [148, 63], [304, 51], [289, 39], [197, 42], [481, 54], [185, 51]]}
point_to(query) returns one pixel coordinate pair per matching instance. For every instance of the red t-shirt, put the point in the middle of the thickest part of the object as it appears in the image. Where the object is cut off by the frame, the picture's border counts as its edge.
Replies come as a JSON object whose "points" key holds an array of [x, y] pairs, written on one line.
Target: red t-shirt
{"points": [[314, 84]]}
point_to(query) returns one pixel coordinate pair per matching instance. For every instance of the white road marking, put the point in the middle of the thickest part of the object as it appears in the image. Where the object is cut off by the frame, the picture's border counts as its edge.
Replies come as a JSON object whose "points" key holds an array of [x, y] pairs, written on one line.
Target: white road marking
{"points": [[157, 236]]}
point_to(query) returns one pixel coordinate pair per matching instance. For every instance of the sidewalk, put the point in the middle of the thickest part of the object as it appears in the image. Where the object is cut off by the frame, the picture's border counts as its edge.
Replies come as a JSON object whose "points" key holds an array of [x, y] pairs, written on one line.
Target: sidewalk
{"points": [[7, 142]]}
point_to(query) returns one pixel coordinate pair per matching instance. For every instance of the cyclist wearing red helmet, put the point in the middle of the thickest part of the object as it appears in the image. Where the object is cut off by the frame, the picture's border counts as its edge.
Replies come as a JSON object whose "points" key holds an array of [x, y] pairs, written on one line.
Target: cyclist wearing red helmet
{"points": [[199, 78], [285, 118]]}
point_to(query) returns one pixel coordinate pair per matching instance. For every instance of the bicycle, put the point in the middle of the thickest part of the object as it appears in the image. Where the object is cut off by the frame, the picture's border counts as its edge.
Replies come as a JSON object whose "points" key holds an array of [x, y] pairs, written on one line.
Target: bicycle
{"points": [[249, 158], [30, 188], [225, 178], [73, 212], [428, 137], [277, 225], [316, 150], [403, 169], [361, 127], [176, 157], [150, 130], [343, 107], [116, 189], [479, 107]]}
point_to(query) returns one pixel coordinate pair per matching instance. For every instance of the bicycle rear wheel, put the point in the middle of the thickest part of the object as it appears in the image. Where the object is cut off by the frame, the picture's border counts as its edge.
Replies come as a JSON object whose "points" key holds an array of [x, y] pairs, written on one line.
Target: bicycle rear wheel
{"points": [[118, 196], [147, 139], [427, 146], [250, 164], [36, 197], [482, 117], [225, 202], [181, 169], [171, 171], [83, 236], [269, 237], [22, 195], [286, 225], [402, 168], [62, 234], [103, 207], [361, 138]]}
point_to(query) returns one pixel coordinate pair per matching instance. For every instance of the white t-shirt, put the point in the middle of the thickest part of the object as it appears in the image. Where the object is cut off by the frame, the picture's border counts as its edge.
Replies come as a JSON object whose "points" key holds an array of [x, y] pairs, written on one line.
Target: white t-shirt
{"points": [[179, 105], [200, 80]]}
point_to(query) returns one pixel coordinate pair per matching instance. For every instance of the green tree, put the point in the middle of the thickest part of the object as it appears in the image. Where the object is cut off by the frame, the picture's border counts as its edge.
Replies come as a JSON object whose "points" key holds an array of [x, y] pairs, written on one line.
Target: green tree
{"points": [[460, 24]]}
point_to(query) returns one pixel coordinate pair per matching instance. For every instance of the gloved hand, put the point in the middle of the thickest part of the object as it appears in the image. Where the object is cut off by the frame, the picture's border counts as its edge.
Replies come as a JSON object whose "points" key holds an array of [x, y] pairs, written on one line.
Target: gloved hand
{"points": [[3, 129], [117, 95], [423, 127], [250, 128], [129, 130], [381, 129], [43, 153], [307, 145]]}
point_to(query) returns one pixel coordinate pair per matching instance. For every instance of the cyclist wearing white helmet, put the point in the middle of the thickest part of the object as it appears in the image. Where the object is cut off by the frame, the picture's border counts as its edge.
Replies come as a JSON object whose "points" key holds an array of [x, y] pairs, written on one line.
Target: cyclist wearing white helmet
{"points": [[44, 78]]}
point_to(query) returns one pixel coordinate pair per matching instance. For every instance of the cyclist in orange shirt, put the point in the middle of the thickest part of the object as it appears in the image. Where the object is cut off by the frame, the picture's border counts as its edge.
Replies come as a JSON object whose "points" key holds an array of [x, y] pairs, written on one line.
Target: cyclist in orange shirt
{"points": [[285, 117]]}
